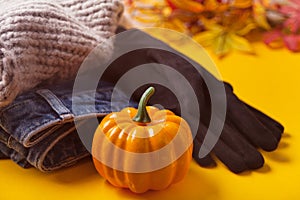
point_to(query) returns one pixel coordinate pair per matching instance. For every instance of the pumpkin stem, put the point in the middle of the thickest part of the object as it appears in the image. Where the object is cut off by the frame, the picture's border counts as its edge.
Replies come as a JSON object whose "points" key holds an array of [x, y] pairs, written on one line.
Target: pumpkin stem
{"points": [[142, 115]]}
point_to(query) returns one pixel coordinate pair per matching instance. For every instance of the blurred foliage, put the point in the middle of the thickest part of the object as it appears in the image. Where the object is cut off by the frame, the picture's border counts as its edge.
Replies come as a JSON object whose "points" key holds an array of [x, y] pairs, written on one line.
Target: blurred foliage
{"points": [[224, 25]]}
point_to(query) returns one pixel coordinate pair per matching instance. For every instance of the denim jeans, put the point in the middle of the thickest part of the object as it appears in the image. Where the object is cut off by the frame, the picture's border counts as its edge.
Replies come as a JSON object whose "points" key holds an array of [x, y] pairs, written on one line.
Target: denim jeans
{"points": [[38, 129]]}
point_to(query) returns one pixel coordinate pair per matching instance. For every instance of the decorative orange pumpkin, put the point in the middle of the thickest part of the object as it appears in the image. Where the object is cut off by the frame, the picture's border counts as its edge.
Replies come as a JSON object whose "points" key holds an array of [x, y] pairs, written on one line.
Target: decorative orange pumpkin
{"points": [[144, 149]]}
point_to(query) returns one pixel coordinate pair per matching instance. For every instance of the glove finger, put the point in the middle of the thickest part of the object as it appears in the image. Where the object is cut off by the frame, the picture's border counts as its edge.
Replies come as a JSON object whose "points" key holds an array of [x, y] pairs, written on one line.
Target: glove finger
{"points": [[266, 122], [270, 122], [275, 127], [249, 154], [228, 156], [206, 161], [246, 122]]}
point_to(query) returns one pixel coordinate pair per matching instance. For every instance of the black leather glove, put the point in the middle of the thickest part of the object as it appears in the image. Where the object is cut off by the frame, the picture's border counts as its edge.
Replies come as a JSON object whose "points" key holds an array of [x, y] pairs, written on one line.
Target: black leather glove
{"points": [[245, 129]]}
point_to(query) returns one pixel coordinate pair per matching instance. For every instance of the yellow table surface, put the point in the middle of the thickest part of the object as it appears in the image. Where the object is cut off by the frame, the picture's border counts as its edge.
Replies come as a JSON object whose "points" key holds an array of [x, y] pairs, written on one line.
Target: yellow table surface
{"points": [[269, 81]]}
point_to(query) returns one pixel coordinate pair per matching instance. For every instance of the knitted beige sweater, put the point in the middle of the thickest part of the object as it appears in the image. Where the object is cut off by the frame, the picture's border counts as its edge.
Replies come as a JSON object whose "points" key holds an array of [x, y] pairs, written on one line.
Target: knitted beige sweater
{"points": [[48, 40]]}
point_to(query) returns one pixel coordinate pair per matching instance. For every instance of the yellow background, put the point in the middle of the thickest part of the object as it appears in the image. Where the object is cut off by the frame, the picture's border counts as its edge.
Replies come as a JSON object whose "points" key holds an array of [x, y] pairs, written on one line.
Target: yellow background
{"points": [[268, 80]]}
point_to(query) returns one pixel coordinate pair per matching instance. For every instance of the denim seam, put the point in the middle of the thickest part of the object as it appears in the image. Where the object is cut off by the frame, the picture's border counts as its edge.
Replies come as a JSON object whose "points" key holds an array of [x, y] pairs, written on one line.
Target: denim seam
{"points": [[6, 148], [39, 162], [56, 104], [4, 135], [9, 141], [30, 130], [91, 115], [12, 106], [23, 151], [41, 159], [34, 129], [28, 141]]}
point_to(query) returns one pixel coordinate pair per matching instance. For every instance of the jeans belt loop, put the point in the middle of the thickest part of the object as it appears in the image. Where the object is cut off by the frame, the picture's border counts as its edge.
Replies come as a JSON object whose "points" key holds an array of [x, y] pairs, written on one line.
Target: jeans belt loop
{"points": [[56, 104]]}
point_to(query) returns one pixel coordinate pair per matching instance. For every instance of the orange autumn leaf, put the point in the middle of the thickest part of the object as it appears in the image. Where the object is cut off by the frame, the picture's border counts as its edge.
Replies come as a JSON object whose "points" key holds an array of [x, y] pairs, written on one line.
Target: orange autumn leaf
{"points": [[242, 3], [189, 5]]}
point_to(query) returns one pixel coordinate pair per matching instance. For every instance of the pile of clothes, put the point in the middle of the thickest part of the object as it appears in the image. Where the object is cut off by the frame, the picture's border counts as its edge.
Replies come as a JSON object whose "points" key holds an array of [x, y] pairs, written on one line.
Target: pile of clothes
{"points": [[43, 45]]}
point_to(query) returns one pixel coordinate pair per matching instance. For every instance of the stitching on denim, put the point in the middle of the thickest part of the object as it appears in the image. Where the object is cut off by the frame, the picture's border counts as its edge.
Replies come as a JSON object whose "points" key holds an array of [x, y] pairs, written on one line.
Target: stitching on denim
{"points": [[54, 102], [14, 105], [69, 161], [5, 149], [9, 141], [29, 141], [11, 109], [31, 130], [47, 130], [41, 158], [4, 135]]}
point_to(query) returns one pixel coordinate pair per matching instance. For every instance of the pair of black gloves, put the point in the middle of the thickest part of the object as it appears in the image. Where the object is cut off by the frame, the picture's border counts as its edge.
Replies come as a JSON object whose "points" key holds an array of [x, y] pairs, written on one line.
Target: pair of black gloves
{"points": [[246, 130]]}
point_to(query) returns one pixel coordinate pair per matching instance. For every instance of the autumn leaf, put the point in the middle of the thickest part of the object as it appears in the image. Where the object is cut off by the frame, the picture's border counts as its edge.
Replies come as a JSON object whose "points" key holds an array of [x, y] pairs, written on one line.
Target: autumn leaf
{"points": [[189, 5], [242, 3], [292, 10], [288, 33], [260, 14], [239, 43], [292, 42], [223, 40], [273, 39]]}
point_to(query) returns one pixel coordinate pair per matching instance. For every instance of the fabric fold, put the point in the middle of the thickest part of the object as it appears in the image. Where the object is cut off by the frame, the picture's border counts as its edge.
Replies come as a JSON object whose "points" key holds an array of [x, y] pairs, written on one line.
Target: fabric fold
{"points": [[38, 128]]}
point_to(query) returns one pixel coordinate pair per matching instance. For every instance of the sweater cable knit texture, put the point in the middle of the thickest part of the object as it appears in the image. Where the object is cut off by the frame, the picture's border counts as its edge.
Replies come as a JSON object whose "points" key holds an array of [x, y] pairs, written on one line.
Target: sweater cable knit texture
{"points": [[42, 41]]}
